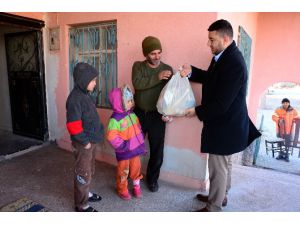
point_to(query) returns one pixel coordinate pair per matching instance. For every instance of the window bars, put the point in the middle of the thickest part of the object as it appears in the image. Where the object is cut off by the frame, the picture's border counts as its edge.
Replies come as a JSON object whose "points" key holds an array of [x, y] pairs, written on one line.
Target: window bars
{"points": [[96, 45]]}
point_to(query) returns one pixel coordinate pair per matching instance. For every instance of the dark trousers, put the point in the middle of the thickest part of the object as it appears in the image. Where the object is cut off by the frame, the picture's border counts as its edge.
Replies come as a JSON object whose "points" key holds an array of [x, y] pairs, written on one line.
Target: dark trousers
{"points": [[83, 172], [154, 127], [287, 144]]}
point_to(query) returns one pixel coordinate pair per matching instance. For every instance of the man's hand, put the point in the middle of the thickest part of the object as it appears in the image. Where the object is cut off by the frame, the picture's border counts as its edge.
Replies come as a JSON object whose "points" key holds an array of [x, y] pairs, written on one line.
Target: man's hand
{"points": [[190, 112], [185, 70], [164, 75], [167, 118], [88, 146]]}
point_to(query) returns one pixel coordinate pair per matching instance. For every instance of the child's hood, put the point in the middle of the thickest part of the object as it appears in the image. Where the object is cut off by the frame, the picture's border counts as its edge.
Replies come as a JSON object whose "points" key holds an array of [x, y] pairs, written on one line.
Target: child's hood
{"points": [[118, 97], [115, 98], [83, 74]]}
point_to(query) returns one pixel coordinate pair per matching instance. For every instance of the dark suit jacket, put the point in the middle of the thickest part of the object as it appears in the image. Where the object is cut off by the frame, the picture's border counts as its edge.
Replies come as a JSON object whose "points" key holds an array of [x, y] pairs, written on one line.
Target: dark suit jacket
{"points": [[227, 128]]}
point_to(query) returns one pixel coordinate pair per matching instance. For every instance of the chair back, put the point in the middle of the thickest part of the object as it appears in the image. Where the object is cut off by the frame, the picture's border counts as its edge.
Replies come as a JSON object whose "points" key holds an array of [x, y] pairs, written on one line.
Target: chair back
{"points": [[296, 141]]}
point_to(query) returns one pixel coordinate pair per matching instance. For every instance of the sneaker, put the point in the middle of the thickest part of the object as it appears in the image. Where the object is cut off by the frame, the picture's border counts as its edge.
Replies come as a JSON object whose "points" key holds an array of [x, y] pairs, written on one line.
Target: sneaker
{"points": [[137, 192], [125, 196], [88, 209], [94, 198]]}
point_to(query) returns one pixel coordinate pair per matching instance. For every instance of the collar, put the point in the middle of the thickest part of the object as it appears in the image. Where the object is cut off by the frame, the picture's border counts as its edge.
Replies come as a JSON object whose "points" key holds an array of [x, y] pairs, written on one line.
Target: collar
{"points": [[216, 57]]}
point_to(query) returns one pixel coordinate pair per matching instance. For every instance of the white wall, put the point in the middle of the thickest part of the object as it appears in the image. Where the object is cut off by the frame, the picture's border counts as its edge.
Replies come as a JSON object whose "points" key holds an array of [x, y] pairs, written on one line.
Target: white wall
{"points": [[5, 113], [51, 61]]}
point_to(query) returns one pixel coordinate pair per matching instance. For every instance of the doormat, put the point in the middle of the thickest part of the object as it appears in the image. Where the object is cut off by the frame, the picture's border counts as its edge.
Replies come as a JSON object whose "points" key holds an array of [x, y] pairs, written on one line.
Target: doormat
{"points": [[24, 205], [10, 145]]}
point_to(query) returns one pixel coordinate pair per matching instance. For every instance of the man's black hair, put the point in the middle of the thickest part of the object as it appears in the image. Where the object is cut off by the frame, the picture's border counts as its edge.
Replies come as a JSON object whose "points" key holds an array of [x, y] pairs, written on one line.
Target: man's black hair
{"points": [[285, 100], [223, 27]]}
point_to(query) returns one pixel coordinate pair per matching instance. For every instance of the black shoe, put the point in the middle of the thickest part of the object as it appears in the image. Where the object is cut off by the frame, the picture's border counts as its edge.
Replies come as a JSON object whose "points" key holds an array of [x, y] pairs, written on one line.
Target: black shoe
{"points": [[279, 157], [89, 209], [153, 187], [224, 203], [204, 198], [286, 159], [202, 210], [94, 198]]}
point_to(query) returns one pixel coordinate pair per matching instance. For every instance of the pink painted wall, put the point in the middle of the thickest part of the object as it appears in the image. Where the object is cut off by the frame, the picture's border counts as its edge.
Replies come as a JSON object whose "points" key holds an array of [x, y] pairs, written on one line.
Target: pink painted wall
{"points": [[277, 53], [33, 15]]}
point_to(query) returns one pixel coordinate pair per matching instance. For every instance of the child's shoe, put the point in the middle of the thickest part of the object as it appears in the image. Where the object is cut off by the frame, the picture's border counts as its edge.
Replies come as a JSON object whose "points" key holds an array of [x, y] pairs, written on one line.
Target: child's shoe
{"points": [[125, 196], [137, 192], [87, 209]]}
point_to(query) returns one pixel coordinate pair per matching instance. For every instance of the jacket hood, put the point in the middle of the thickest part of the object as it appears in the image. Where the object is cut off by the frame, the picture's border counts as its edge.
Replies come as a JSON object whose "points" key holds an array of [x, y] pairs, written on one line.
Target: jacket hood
{"points": [[118, 97], [115, 98], [83, 74]]}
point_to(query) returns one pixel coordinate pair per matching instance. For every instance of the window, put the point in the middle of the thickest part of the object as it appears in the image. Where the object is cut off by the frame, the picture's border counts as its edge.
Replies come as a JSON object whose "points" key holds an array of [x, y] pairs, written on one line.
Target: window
{"points": [[245, 44], [97, 45]]}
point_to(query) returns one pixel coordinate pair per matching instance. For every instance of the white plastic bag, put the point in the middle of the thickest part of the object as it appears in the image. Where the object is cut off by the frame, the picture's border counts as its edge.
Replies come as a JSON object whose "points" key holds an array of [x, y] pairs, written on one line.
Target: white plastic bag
{"points": [[176, 97]]}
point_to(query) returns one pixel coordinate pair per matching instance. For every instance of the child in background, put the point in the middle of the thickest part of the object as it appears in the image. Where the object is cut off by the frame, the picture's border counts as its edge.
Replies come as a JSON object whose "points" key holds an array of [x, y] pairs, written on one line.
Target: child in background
{"points": [[125, 135]]}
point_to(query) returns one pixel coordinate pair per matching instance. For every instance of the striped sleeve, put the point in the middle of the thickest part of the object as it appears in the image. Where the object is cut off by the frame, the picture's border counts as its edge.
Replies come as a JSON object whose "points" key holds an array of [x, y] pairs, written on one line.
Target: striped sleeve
{"points": [[114, 137]]}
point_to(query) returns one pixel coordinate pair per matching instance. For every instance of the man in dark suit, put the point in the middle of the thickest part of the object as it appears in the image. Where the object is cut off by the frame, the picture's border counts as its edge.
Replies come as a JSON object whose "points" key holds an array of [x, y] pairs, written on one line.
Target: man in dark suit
{"points": [[227, 128]]}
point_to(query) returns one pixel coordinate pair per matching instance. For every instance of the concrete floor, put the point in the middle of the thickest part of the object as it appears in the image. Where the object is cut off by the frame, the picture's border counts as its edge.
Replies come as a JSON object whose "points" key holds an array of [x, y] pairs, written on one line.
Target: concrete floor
{"points": [[45, 176], [11, 143], [267, 161]]}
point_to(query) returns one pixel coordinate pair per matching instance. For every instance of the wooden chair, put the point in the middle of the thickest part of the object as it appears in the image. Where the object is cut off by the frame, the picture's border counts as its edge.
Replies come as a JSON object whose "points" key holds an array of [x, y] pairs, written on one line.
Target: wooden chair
{"points": [[275, 145], [278, 144], [295, 141]]}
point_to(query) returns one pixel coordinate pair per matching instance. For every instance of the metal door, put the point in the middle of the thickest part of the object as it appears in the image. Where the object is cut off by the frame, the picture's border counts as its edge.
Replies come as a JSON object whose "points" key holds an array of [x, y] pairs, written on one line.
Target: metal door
{"points": [[24, 53]]}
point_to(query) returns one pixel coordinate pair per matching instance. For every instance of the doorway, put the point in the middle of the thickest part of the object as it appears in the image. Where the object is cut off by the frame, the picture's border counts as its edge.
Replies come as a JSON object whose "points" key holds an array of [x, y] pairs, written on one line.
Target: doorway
{"points": [[270, 100], [23, 112]]}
